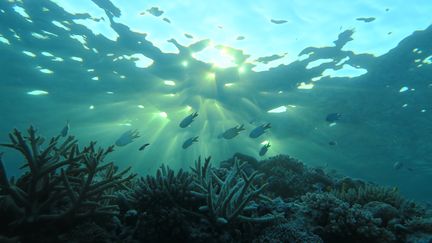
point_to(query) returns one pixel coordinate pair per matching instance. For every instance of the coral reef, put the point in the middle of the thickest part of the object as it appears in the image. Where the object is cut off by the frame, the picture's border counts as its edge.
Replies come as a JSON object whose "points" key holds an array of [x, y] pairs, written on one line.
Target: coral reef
{"points": [[290, 178], [70, 194]]}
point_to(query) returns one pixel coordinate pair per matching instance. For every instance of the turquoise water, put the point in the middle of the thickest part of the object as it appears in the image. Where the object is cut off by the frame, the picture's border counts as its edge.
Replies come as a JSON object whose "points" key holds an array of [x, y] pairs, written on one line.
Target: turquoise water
{"points": [[109, 67]]}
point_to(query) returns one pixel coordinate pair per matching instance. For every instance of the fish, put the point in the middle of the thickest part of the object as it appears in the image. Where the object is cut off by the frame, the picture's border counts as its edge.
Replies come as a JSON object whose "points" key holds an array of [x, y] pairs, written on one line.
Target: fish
{"points": [[264, 149], [232, 132], [333, 117], [127, 138], [332, 143], [189, 142], [260, 130], [143, 146], [64, 132], [37, 92], [366, 20], [275, 21], [188, 120], [398, 165]]}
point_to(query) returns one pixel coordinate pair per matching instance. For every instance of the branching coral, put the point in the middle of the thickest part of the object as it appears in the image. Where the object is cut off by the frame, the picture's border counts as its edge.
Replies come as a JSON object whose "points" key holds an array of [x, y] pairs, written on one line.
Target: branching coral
{"points": [[167, 187], [62, 183], [227, 199]]}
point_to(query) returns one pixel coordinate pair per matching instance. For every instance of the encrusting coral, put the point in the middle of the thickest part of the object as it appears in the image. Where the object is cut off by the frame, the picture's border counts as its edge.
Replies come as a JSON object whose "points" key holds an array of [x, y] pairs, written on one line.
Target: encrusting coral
{"points": [[62, 183]]}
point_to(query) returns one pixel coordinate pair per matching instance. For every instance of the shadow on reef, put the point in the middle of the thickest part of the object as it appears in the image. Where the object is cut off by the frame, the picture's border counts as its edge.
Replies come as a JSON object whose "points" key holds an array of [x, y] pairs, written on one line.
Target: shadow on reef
{"points": [[70, 194]]}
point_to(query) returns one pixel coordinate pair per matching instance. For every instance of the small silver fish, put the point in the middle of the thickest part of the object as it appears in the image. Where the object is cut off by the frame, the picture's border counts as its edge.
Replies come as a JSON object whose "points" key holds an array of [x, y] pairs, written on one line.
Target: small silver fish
{"points": [[64, 132]]}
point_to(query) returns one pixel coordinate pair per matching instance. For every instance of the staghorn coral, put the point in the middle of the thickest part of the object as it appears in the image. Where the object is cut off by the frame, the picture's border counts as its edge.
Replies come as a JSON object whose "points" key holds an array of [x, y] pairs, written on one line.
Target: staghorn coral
{"points": [[229, 198], [62, 183]]}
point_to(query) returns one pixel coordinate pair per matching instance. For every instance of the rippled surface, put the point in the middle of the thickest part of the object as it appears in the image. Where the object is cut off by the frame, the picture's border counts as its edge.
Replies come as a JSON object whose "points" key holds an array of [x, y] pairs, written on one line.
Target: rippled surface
{"points": [[109, 67]]}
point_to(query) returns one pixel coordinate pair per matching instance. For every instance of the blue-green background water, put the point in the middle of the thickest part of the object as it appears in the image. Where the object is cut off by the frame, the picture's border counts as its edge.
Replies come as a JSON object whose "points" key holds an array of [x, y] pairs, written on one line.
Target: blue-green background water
{"points": [[108, 67]]}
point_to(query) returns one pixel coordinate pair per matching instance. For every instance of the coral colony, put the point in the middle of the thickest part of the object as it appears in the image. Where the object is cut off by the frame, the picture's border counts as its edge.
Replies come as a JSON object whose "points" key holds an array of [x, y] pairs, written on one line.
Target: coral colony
{"points": [[69, 193]]}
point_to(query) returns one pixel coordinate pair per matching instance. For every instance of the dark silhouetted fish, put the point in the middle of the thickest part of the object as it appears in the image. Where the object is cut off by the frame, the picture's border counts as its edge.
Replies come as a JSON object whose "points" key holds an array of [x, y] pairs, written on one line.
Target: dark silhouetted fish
{"points": [[332, 143], [189, 142], [127, 138], [366, 20], [275, 21], [258, 131], [264, 149], [143, 147], [188, 120], [232, 132], [333, 117], [398, 165]]}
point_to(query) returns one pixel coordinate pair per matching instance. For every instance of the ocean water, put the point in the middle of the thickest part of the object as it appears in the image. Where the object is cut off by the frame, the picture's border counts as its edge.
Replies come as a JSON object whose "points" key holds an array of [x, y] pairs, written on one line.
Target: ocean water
{"points": [[107, 67]]}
